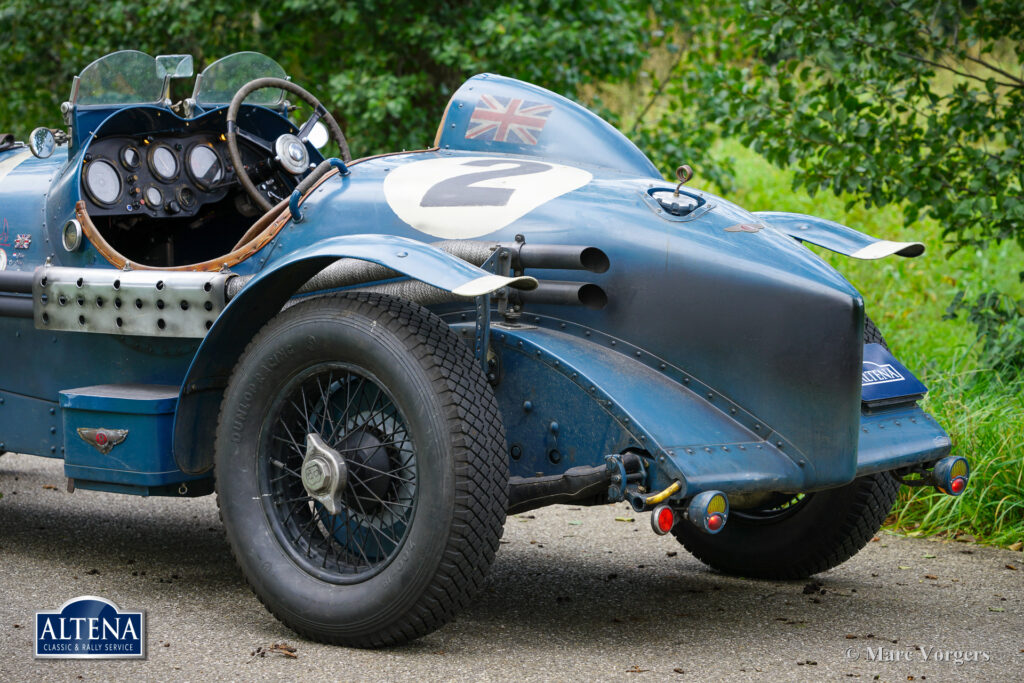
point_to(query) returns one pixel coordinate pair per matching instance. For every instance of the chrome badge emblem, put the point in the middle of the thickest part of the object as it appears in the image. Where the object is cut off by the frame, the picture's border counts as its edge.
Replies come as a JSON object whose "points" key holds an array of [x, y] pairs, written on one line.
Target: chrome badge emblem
{"points": [[102, 440], [744, 227]]}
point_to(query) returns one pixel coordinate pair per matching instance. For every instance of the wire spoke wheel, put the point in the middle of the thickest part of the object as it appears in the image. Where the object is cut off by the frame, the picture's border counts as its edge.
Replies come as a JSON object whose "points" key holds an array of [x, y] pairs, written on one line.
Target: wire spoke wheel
{"points": [[360, 469], [356, 416]]}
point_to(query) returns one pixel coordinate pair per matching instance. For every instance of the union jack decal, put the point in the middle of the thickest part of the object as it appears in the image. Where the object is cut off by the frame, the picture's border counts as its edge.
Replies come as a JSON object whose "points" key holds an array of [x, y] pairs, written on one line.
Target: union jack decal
{"points": [[505, 119], [22, 241]]}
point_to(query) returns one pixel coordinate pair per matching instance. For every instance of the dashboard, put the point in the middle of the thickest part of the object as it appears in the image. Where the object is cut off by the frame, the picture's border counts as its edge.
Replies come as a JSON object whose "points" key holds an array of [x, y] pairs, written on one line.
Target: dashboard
{"points": [[156, 175]]}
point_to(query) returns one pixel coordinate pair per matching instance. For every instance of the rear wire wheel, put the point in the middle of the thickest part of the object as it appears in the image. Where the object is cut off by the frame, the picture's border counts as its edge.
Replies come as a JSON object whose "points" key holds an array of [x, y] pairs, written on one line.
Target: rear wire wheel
{"points": [[794, 536], [407, 536]]}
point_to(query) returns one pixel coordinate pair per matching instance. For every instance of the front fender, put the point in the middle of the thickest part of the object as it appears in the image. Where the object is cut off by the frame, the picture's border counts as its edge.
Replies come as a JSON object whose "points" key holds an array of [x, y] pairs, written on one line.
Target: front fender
{"points": [[837, 237], [263, 297]]}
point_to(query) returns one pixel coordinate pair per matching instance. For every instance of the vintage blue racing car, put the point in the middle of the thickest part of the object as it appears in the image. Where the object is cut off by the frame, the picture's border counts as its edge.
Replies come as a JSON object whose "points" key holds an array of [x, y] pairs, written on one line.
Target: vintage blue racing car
{"points": [[372, 362]]}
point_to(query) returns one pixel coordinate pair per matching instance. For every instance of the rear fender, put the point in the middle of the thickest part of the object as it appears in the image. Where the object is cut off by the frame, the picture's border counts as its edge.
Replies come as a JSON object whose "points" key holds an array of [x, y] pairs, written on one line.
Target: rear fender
{"points": [[837, 237], [263, 297], [569, 401]]}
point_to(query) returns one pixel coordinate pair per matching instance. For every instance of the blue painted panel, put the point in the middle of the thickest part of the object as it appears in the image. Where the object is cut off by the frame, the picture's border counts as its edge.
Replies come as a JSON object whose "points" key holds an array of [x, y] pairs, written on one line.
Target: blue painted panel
{"points": [[836, 236], [30, 425], [665, 412], [899, 437], [144, 458], [137, 399]]}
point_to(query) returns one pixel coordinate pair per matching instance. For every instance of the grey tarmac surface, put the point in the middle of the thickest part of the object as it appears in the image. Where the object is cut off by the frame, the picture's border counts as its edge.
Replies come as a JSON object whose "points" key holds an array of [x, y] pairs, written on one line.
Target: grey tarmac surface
{"points": [[573, 595]]}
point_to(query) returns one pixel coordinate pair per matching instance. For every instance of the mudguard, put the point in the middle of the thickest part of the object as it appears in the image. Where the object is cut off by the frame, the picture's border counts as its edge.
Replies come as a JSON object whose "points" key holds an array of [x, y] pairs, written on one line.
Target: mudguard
{"points": [[263, 296], [562, 395], [564, 398], [837, 237]]}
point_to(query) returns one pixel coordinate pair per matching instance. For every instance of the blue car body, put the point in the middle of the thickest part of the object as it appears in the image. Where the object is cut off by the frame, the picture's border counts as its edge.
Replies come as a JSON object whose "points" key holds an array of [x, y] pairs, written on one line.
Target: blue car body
{"points": [[711, 341]]}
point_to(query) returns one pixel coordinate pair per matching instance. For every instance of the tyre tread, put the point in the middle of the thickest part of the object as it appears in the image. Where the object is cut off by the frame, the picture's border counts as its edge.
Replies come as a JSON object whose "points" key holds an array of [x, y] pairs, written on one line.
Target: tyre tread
{"points": [[481, 468]]}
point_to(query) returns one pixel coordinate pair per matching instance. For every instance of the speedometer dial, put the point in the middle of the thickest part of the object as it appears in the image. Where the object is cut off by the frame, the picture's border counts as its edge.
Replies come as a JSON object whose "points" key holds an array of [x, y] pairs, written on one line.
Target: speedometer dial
{"points": [[163, 163], [102, 182], [205, 166]]}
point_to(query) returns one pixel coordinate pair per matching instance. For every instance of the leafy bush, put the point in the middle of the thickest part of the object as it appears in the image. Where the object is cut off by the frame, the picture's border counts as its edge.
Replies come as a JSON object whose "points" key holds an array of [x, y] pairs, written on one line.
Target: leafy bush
{"points": [[385, 69]]}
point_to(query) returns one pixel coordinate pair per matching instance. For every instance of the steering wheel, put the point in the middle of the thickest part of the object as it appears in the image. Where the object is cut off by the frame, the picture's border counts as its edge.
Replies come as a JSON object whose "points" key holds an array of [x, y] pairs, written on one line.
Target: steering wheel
{"points": [[288, 150]]}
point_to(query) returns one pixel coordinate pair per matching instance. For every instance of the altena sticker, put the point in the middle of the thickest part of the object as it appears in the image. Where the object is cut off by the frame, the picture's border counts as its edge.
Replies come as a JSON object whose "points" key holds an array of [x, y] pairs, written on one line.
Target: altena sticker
{"points": [[88, 627], [467, 197]]}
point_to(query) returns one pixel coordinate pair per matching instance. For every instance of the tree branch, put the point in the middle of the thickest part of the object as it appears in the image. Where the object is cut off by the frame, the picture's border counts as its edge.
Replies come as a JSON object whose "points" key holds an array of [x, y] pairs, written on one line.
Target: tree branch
{"points": [[930, 62], [992, 67], [657, 93]]}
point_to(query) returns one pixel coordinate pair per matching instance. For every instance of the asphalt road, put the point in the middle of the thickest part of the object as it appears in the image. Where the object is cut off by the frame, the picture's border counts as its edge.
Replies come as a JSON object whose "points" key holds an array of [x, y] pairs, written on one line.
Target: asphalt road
{"points": [[574, 594]]}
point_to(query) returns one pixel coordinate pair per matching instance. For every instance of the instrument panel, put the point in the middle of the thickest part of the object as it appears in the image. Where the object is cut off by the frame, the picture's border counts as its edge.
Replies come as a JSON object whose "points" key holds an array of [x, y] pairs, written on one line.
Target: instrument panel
{"points": [[156, 175]]}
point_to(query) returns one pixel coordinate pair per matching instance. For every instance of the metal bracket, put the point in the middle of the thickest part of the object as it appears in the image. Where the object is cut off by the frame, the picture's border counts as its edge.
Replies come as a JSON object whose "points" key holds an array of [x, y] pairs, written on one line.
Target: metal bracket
{"points": [[499, 263], [482, 338], [626, 485]]}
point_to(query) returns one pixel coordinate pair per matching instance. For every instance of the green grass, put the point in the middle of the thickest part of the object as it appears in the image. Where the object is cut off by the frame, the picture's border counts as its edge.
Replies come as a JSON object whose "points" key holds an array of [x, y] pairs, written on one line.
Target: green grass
{"points": [[907, 298]]}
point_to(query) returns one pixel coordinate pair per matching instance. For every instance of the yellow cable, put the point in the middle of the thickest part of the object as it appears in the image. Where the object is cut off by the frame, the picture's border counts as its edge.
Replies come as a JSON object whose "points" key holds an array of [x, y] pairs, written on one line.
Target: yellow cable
{"points": [[658, 497]]}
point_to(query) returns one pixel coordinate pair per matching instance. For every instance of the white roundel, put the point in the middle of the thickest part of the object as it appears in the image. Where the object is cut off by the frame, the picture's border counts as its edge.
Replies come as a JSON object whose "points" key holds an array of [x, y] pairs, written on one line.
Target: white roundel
{"points": [[3, 260], [466, 197]]}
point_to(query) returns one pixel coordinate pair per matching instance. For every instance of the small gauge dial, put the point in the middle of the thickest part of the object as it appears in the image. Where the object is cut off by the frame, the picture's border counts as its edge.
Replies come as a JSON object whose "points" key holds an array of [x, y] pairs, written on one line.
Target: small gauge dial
{"points": [[102, 182], [154, 197], [186, 197], [163, 163], [205, 166], [130, 157]]}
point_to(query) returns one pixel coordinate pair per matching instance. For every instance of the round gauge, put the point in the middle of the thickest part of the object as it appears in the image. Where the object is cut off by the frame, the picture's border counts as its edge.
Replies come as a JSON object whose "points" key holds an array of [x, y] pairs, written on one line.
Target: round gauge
{"points": [[205, 166], [102, 182], [130, 157], [186, 197], [163, 163], [154, 197]]}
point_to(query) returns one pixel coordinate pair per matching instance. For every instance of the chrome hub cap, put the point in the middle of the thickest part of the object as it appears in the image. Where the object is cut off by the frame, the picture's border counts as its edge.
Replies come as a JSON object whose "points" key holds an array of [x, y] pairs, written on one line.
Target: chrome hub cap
{"points": [[324, 473]]}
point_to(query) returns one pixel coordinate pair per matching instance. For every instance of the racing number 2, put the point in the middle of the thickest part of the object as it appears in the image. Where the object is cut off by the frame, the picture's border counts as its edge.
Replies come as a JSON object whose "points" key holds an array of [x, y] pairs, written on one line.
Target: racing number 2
{"points": [[463, 191]]}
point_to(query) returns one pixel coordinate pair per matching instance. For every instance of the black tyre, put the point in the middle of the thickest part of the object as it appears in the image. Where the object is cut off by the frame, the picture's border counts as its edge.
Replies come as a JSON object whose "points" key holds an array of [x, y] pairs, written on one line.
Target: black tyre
{"points": [[873, 335], [792, 537], [408, 539]]}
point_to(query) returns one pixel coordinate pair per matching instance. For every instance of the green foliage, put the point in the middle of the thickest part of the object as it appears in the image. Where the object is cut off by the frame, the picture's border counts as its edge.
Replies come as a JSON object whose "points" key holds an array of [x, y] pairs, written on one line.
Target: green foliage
{"points": [[912, 102], [999, 320], [916, 102], [385, 69], [985, 419]]}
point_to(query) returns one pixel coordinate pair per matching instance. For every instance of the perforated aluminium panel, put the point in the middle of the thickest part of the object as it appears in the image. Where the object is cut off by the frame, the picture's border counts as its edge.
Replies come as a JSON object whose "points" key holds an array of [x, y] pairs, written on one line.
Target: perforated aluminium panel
{"points": [[141, 303]]}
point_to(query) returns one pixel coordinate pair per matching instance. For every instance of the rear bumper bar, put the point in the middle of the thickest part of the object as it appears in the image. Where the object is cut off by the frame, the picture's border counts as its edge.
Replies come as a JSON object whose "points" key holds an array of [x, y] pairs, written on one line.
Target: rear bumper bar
{"points": [[890, 439]]}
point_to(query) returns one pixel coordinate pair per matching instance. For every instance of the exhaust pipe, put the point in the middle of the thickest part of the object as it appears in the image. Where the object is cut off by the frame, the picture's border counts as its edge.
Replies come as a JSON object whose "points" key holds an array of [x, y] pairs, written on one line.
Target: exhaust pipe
{"points": [[15, 306], [582, 485], [349, 272], [558, 257], [560, 293], [16, 282]]}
